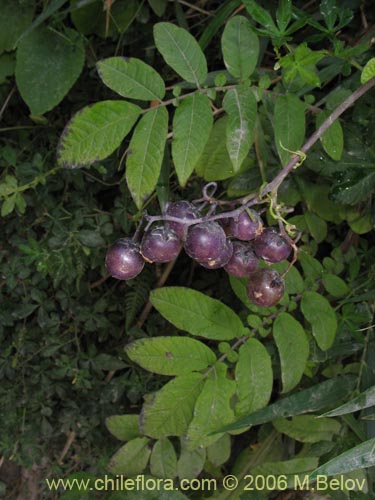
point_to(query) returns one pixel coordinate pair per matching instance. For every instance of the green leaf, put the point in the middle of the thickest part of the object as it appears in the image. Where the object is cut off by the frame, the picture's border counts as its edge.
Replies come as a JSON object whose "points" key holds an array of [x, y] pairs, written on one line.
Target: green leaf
{"points": [[212, 409], [335, 285], [169, 411], [181, 52], [214, 164], [239, 286], [312, 268], [145, 156], [163, 460], [123, 427], [368, 71], [289, 123], [293, 347], [260, 15], [131, 459], [240, 47], [333, 138], [293, 279], [241, 106], [90, 238], [219, 451], [359, 457], [288, 469], [307, 428], [158, 6], [16, 15], [305, 401], [170, 355], [320, 314], [8, 205], [283, 14], [254, 377], [192, 124], [95, 132], [197, 313], [131, 77], [316, 226], [7, 66], [364, 400], [48, 64], [191, 462]]}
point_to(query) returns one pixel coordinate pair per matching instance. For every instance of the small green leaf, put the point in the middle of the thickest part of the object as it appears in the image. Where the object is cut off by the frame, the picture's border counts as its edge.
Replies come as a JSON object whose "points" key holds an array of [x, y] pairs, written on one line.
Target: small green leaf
{"points": [[191, 462], [163, 460], [123, 427], [320, 314], [359, 457], [181, 52], [16, 15], [307, 428], [261, 16], [170, 355], [293, 347], [197, 313], [48, 64], [169, 411], [289, 125], [95, 132], [335, 285], [364, 400], [316, 226], [333, 138], [241, 106], [90, 238], [368, 71], [158, 6], [131, 459], [240, 47], [8, 205], [305, 401], [131, 77], [192, 124], [145, 156], [254, 377], [212, 409], [214, 163], [219, 451], [312, 268], [284, 14]]}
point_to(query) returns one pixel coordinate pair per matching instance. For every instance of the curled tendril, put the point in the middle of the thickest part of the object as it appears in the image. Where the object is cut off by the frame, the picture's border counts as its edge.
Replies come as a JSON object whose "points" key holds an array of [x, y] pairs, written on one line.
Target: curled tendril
{"points": [[209, 190]]}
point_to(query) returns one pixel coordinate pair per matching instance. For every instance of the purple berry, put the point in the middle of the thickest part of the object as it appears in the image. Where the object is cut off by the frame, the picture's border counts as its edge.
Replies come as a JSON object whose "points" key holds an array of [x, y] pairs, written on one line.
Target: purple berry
{"points": [[123, 259], [243, 261], [220, 261], [271, 246], [182, 210], [206, 241], [160, 244], [246, 227], [265, 287]]}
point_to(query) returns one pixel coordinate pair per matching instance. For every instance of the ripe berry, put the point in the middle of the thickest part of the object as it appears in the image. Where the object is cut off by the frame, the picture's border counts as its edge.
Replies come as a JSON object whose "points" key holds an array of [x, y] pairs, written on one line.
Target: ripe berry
{"points": [[206, 241], [271, 247], [182, 210], [123, 259], [243, 261], [246, 227], [220, 261], [265, 287], [160, 244]]}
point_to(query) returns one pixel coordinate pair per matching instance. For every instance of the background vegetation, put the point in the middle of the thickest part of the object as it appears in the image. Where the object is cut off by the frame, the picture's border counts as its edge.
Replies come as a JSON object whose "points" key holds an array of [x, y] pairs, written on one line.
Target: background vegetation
{"points": [[64, 324]]}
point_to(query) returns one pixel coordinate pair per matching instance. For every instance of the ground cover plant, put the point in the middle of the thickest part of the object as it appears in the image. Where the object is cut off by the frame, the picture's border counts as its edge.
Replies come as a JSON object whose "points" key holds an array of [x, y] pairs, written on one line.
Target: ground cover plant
{"points": [[187, 255]]}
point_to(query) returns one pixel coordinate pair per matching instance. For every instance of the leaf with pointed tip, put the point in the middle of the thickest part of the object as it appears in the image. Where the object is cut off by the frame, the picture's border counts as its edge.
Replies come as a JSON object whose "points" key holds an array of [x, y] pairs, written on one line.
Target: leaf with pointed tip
{"points": [[307, 428], [181, 52], [241, 106], [146, 151], [170, 355], [95, 132], [123, 427], [163, 460], [131, 77], [169, 411], [289, 125], [131, 459], [333, 138], [197, 313], [293, 347], [192, 124], [322, 317], [240, 47], [362, 401]]}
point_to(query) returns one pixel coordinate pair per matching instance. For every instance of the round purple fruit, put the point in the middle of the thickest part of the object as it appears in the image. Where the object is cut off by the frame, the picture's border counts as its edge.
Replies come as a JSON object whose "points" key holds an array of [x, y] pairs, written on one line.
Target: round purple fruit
{"points": [[181, 210], [265, 288], [243, 261], [160, 244], [271, 246], [246, 226], [206, 241], [123, 260], [220, 261]]}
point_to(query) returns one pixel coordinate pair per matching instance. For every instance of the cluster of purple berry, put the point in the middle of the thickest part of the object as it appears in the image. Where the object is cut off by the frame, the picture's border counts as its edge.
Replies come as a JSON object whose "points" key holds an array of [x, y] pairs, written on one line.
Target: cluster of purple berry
{"points": [[235, 244]]}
